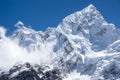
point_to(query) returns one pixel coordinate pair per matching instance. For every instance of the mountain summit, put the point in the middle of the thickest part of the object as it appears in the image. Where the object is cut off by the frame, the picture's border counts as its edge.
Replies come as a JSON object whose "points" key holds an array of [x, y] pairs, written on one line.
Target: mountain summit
{"points": [[83, 46], [90, 24]]}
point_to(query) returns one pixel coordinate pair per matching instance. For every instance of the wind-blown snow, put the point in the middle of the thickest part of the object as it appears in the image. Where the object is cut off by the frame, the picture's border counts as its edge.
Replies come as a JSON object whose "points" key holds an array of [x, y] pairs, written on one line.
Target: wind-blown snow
{"points": [[83, 47], [11, 52], [76, 76]]}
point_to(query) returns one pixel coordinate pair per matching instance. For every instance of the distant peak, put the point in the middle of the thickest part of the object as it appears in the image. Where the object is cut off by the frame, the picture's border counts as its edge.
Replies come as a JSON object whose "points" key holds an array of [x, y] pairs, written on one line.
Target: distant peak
{"points": [[19, 24], [22, 28]]}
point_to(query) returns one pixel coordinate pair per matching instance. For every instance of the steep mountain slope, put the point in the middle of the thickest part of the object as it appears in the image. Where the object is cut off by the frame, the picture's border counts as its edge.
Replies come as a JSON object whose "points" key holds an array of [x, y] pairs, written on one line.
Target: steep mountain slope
{"points": [[83, 44]]}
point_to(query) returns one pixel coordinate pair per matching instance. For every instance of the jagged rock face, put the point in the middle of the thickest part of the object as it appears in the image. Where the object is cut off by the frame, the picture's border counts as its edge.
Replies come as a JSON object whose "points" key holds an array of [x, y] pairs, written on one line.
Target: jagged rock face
{"points": [[82, 42], [28, 72]]}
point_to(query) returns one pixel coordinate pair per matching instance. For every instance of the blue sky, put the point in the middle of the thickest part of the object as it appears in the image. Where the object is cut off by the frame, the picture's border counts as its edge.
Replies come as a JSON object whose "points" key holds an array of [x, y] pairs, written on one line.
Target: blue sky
{"points": [[41, 14]]}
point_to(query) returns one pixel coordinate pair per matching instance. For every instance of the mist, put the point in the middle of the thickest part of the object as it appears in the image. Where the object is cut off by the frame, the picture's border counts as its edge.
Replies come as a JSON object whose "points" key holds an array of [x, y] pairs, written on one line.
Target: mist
{"points": [[11, 53]]}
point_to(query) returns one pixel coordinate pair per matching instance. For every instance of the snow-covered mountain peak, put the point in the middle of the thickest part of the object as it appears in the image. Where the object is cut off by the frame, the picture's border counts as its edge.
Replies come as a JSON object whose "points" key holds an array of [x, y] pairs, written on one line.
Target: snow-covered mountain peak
{"points": [[91, 7], [85, 18], [89, 25], [83, 42], [19, 24], [22, 28], [27, 37]]}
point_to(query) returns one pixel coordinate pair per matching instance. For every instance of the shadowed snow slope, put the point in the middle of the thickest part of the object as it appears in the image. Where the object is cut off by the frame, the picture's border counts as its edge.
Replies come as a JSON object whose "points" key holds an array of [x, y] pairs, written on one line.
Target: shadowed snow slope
{"points": [[83, 46]]}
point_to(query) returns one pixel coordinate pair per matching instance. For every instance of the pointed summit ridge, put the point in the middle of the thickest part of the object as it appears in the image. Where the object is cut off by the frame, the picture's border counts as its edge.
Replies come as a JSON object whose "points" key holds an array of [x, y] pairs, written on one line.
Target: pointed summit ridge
{"points": [[91, 25], [86, 13], [87, 17], [91, 9], [91, 6]]}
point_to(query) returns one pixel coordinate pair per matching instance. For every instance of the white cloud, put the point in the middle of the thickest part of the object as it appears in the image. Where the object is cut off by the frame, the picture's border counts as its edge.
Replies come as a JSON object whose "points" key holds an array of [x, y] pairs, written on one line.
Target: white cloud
{"points": [[11, 52], [76, 76], [2, 32]]}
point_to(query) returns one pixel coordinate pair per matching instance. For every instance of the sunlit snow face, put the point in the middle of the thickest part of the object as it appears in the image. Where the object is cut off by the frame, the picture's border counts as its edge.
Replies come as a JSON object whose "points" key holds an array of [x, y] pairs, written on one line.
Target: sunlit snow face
{"points": [[76, 76]]}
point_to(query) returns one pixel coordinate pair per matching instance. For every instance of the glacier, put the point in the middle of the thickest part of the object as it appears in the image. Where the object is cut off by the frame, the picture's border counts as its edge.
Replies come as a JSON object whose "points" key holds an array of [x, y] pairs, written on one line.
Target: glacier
{"points": [[84, 46]]}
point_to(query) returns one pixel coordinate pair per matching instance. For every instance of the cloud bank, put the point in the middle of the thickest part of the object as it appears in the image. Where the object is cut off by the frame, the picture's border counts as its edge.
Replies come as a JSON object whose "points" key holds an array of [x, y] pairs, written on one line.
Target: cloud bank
{"points": [[11, 53]]}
